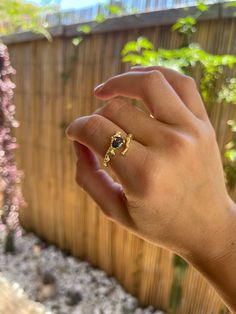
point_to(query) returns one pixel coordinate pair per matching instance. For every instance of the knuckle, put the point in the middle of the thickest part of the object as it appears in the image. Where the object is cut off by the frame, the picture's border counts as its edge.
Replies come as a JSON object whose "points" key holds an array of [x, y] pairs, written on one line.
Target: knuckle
{"points": [[212, 133], [109, 84], [112, 108], [209, 133], [91, 125], [197, 129], [179, 142], [154, 76], [188, 81], [202, 130], [152, 79]]}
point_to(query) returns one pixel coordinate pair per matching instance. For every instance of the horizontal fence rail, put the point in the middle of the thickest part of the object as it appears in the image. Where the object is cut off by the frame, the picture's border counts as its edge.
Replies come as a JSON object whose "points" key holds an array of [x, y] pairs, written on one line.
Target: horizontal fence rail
{"points": [[47, 100], [87, 14]]}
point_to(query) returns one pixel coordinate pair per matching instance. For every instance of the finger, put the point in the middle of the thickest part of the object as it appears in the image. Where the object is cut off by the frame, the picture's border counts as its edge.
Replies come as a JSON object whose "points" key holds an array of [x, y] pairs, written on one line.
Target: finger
{"points": [[132, 120], [95, 132], [153, 89], [185, 87], [108, 194]]}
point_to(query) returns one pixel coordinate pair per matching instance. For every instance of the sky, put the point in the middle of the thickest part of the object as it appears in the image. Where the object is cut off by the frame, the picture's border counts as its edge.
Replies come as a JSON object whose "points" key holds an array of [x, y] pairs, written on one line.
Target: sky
{"points": [[68, 4]]}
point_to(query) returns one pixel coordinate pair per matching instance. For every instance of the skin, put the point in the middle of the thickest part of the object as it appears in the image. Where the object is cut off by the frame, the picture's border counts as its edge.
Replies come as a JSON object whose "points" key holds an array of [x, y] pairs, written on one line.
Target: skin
{"points": [[170, 187]]}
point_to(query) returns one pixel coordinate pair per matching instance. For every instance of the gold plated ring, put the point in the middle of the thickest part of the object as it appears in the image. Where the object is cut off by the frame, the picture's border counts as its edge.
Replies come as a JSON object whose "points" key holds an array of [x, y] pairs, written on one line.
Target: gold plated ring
{"points": [[117, 141]]}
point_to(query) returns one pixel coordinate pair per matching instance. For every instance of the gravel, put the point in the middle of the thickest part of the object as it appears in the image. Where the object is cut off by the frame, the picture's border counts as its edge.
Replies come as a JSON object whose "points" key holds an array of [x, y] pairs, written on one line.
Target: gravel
{"points": [[64, 284]]}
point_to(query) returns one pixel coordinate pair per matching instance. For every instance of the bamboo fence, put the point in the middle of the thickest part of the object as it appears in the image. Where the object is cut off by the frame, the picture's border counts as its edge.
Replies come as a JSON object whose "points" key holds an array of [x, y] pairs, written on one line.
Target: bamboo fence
{"points": [[54, 86], [89, 13]]}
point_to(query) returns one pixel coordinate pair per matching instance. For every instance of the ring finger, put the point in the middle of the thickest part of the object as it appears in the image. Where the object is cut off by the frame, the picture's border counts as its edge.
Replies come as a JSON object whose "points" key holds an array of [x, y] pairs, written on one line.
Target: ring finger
{"points": [[95, 131]]}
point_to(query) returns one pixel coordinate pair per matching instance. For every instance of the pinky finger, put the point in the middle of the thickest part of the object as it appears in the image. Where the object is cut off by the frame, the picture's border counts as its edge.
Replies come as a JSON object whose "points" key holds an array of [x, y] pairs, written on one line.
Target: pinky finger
{"points": [[107, 193]]}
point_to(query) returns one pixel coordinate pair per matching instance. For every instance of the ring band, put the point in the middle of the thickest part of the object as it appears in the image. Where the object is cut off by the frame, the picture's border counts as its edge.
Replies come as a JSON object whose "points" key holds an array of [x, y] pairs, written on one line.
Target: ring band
{"points": [[117, 141]]}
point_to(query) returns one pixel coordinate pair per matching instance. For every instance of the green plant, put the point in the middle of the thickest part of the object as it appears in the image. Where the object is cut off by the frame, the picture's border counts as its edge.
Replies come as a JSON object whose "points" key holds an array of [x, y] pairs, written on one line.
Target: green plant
{"points": [[228, 95], [180, 268], [19, 15], [230, 156], [186, 26], [184, 60]]}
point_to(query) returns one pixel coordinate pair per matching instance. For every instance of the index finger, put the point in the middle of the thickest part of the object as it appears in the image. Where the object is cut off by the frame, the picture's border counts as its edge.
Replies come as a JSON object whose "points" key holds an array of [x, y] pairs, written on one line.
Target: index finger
{"points": [[151, 87], [184, 85]]}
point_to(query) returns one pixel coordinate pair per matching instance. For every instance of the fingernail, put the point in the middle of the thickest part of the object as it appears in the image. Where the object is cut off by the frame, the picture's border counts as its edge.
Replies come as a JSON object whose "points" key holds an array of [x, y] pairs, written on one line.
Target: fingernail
{"points": [[98, 88], [135, 66]]}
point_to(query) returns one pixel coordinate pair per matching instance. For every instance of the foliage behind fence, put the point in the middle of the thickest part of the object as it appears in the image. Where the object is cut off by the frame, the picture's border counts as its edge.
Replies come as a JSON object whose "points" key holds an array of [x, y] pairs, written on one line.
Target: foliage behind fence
{"points": [[54, 85]]}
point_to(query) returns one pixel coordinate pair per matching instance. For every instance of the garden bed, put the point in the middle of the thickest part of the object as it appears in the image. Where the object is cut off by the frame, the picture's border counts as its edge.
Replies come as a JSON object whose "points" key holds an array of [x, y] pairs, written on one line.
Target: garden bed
{"points": [[62, 283]]}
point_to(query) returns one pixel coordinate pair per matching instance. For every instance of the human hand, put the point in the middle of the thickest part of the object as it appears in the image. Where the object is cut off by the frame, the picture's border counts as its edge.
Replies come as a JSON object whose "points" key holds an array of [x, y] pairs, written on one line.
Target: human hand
{"points": [[171, 187]]}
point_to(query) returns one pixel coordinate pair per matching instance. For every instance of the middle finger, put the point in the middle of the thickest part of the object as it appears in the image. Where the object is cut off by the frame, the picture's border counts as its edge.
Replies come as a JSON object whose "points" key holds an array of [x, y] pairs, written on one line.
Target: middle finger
{"points": [[132, 119]]}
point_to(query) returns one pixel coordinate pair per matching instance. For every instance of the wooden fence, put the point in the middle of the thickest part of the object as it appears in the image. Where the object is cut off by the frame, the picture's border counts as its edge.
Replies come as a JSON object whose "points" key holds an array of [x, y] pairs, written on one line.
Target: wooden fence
{"points": [[54, 85], [73, 16]]}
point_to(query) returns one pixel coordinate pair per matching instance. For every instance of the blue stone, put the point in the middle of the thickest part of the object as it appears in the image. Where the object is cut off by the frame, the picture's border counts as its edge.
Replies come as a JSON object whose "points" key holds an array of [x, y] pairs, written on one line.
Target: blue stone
{"points": [[117, 142]]}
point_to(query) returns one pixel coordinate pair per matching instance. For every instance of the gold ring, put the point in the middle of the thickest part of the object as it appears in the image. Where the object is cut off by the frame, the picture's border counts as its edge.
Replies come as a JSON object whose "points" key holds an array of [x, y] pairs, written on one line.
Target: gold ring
{"points": [[117, 141]]}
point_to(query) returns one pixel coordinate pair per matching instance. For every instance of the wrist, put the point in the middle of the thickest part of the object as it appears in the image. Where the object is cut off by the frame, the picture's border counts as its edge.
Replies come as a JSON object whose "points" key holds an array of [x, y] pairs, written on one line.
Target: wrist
{"points": [[221, 235], [217, 258]]}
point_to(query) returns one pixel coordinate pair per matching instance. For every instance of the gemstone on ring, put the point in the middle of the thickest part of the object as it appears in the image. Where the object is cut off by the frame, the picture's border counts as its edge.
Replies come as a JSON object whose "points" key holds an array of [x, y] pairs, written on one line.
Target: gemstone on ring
{"points": [[117, 142]]}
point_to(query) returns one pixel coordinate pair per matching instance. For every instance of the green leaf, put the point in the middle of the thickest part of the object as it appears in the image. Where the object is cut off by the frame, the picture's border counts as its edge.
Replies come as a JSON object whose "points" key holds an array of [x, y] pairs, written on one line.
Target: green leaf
{"points": [[129, 47], [175, 296], [230, 4], [114, 9], [85, 29], [134, 11], [231, 122], [137, 46], [230, 171], [230, 155], [184, 22], [150, 55], [143, 42], [134, 59], [180, 264], [229, 145], [77, 40], [100, 18], [18, 15], [202, 6], [65, 76], [227, 94]]}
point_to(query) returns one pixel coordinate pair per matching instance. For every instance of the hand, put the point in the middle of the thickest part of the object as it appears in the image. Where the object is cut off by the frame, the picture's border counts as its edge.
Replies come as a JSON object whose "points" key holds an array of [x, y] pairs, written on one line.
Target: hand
{"points": [[171, 188]]}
